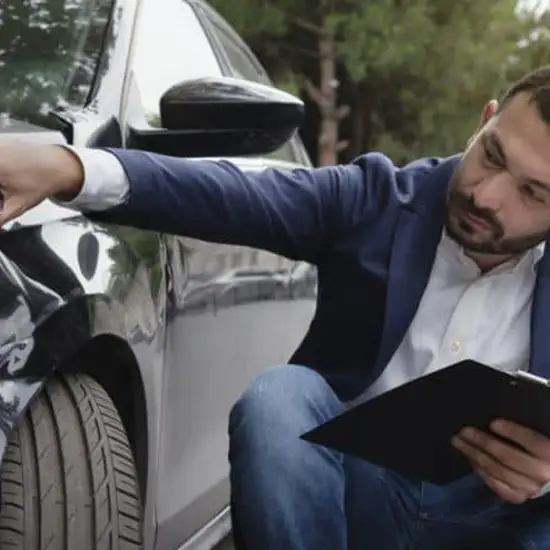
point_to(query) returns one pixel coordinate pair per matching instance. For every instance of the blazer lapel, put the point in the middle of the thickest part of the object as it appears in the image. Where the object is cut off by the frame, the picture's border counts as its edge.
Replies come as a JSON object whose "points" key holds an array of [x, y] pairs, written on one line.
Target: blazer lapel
{"points": [[417, 235], [540, 319]]}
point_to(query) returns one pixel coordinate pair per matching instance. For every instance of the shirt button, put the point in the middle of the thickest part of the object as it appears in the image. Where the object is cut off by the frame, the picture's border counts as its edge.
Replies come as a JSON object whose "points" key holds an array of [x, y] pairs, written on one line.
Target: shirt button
{"points": [[455, 347]]}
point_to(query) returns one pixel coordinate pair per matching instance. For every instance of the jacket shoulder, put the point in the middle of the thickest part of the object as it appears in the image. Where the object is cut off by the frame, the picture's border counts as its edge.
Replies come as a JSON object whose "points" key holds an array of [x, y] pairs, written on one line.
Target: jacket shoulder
{"points": [[402, 185]]}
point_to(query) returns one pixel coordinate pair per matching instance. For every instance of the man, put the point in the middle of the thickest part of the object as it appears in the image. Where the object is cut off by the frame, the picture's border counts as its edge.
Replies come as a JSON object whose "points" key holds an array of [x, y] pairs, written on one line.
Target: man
{"points": [[418, 267]]}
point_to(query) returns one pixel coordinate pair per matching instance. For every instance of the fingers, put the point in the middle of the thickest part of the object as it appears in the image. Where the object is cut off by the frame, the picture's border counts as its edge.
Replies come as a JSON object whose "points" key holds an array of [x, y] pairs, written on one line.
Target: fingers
{"points": [[504, 491], [512, 473], [534, 443], [11, 208], [508, 455]]}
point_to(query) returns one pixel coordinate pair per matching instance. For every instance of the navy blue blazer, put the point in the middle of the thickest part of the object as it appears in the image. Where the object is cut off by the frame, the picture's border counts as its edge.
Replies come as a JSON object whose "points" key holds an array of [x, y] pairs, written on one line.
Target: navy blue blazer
{"points": [[371, 228]]}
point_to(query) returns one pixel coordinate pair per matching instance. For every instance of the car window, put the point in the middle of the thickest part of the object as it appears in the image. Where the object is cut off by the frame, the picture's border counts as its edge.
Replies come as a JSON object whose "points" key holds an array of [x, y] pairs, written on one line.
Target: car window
{"points": [[170, 47], [242, 64], [49, 50]]}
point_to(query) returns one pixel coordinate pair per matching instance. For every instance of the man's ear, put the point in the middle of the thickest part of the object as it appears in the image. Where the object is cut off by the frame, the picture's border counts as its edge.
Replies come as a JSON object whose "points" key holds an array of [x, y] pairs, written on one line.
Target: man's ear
{"points": [[488, 112]]}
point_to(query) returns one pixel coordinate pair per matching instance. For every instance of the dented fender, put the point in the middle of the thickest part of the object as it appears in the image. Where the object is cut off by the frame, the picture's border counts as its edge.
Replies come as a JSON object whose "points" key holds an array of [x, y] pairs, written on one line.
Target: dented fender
{"points": [[63, 283]]}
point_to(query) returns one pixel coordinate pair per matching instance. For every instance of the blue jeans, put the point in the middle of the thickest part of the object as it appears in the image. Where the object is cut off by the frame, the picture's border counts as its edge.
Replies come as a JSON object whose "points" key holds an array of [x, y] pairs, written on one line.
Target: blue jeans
{"points": [[288, 494]]}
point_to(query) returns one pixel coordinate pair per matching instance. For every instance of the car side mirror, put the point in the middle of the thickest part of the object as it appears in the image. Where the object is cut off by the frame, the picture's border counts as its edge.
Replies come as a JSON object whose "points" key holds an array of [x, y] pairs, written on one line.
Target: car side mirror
{"points": [[221, 116]]}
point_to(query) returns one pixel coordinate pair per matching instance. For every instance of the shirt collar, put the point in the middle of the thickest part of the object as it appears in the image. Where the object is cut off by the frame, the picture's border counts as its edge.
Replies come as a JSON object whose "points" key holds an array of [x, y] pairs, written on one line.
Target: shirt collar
{"points": [[538, 252], [530, 258]]}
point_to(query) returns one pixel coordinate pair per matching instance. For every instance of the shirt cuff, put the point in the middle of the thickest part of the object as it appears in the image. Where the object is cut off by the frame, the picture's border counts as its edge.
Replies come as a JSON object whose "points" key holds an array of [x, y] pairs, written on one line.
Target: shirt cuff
{"points": [[105, 182]]}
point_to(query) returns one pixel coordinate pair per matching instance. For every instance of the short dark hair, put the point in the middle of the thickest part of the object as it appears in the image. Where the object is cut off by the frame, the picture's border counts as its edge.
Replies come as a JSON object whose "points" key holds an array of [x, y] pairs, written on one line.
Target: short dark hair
{"points": [[537, 85]]}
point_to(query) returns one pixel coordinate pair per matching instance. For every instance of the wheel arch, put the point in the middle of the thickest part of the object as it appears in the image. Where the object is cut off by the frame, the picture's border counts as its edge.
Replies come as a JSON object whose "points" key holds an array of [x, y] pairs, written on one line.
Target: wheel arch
{"points": [[101, 357], [109, 359]]}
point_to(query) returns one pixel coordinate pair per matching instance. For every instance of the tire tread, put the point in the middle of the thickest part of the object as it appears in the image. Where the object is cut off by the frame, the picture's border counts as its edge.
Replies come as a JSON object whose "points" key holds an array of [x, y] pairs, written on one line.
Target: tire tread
{"points": [[68, 479]]}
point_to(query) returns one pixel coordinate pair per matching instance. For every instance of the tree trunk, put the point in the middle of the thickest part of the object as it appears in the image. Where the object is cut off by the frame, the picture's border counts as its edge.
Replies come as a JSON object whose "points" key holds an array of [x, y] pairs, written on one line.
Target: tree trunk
{"points": [[326, 98], [328, 137]]}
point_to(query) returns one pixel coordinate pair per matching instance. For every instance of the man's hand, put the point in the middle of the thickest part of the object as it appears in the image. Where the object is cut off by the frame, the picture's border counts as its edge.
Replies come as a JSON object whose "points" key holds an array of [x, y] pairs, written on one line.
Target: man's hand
{"points": [[515, 474], [31, 173]]}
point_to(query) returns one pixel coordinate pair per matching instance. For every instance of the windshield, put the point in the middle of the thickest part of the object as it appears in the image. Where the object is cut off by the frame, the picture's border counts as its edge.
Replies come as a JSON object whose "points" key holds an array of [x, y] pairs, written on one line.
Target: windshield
{"points": [[49, 51]]}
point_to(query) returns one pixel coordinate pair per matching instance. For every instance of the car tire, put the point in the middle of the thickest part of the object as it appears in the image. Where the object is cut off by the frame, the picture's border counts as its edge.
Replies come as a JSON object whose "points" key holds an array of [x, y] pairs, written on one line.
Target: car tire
{"points": [[68, 479]]}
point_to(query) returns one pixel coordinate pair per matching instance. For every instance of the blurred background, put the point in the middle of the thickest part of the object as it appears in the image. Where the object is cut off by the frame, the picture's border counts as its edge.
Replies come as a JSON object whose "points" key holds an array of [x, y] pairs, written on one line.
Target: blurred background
{"points": [[407, 77]]}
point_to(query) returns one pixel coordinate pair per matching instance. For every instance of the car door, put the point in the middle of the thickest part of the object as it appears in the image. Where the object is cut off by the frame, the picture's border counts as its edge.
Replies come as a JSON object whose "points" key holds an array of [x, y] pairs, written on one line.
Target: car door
{"points": [[227, 303]]}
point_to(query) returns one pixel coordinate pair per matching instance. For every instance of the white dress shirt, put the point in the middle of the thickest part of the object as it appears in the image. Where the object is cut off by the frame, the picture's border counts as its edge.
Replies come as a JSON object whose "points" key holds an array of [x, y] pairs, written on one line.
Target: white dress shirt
{"points": [[463, 314]]}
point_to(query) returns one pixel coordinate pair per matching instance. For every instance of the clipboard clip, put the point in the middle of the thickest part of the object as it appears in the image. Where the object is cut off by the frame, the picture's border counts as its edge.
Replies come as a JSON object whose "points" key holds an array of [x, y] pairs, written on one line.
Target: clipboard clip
{"points": [[528, 377]]}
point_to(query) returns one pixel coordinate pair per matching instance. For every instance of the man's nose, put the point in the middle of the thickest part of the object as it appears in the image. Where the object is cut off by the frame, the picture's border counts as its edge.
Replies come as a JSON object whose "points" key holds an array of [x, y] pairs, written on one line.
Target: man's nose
{"points": [[492, 192]]}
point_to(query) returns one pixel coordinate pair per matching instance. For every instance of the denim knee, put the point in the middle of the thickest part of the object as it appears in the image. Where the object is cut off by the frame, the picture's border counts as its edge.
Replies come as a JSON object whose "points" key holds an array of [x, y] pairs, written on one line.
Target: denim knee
{"points": [[287, 396], [279, 406]]}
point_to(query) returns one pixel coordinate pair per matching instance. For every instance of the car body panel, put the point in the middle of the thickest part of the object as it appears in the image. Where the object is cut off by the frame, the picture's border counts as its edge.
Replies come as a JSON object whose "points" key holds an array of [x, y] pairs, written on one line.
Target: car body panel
{"points": [[197, 326], [77, 294]]}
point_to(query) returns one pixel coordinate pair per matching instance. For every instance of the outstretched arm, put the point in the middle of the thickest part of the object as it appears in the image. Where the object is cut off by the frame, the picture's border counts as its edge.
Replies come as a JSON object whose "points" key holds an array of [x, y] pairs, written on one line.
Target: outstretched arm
{"points": [[295, 213]]}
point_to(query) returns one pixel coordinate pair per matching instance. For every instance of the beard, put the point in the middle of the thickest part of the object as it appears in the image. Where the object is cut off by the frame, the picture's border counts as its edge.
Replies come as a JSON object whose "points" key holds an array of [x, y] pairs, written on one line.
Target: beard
{"points": [[492, 240]]}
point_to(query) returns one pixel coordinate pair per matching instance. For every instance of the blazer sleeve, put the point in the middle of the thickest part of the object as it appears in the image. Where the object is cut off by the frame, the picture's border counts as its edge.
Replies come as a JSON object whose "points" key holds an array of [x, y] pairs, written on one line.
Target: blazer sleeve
{"points": [[295, 212]]}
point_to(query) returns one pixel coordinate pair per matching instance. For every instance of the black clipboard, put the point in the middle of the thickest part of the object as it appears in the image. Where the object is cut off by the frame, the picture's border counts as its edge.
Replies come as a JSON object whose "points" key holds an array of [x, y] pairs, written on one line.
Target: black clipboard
{"points": [[409, 429]]}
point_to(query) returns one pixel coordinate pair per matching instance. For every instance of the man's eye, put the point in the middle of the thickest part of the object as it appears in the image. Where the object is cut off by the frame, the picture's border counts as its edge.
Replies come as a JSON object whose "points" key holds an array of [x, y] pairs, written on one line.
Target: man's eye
{"points": [[492, 159], [531, 194]]}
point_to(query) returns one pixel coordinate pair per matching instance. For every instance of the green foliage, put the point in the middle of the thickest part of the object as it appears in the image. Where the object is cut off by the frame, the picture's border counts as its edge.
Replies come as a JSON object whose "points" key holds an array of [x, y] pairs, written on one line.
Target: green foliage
{"points": [[417, 73], [254, 18], [289, 82]]}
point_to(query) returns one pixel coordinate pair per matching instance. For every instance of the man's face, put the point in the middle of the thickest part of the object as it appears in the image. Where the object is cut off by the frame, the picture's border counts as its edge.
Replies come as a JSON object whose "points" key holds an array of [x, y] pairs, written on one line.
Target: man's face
{"points": [[499, 197]]}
